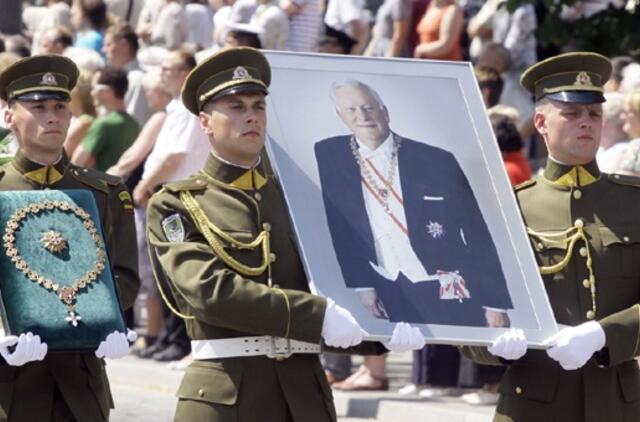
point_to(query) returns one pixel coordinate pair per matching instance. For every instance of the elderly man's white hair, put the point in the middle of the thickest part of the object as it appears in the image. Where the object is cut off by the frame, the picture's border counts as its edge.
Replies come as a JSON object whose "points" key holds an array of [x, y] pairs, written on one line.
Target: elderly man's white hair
{"points": [[354, 83]]}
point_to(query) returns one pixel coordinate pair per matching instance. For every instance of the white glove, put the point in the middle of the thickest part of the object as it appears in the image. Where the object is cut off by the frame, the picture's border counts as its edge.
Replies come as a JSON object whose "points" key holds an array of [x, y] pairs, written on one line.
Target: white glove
{"points": [[340, 328], [116, 345], [572, 347], [405, 338], [29, 348], [511, 345]]}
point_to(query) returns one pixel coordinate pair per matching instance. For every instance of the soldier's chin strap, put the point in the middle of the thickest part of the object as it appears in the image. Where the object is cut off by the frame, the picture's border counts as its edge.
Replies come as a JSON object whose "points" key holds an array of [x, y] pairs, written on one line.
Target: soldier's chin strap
{"points": [[569, 238]]}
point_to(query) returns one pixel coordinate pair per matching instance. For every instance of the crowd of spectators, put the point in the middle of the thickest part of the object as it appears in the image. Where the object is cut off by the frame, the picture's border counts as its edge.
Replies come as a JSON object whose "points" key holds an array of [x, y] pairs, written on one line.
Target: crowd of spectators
{"points": [[128, 119]]}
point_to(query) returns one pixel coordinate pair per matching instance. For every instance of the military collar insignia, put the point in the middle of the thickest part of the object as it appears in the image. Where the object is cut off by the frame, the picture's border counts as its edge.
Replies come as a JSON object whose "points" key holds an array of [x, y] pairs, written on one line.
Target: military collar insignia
{"points": [[173, 228], [571, 176], [49, 79], [583, 79], [234, 176], [240, 73], [38, 173]]}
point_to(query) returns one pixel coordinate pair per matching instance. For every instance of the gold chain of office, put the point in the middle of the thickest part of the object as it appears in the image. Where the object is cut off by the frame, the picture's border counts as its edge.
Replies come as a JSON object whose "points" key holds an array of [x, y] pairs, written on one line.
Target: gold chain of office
{"points": [[53, 242], [382, 192]]}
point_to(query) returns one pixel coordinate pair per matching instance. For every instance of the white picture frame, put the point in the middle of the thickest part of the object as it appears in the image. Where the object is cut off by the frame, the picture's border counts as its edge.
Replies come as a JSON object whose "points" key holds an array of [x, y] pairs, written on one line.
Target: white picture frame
{"points": [[435, 103]]}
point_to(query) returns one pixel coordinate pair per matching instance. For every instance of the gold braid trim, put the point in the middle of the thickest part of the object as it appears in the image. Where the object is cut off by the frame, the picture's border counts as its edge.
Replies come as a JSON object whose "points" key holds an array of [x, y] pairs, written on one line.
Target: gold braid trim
{"points": [[635, 350], [570, 236], [208, 229]]}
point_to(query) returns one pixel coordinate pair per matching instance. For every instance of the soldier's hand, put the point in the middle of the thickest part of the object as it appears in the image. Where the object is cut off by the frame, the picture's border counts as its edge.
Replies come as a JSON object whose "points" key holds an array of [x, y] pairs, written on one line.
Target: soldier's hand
{"points": [[28, 348], [116, 345], [340, 328], [572, 347], [405, 338], [511, 345]]}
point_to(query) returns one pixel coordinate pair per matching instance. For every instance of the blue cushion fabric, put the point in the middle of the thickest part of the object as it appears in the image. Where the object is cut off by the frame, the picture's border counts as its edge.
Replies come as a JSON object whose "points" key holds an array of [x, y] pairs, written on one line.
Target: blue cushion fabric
{"points": [[27, 306]]}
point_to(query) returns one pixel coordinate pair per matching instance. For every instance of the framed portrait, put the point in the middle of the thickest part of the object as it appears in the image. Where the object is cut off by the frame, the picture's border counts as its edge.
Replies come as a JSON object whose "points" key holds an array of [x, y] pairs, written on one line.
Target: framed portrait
{"points": [[399, 198]]}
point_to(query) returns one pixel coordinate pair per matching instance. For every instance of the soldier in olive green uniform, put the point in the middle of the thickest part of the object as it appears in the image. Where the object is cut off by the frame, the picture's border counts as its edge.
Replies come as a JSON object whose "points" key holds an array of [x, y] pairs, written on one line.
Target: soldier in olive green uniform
{"points": [[222, 240], [69, 386], [584, 227]]}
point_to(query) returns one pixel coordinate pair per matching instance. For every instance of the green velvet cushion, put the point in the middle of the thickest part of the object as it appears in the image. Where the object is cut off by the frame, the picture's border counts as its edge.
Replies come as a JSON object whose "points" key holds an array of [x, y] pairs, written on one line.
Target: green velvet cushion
{"points": [[28, 306]]}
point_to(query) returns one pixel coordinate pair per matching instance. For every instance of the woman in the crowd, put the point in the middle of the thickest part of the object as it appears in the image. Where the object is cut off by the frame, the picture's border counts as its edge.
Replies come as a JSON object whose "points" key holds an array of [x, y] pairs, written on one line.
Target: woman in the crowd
{"points": [[629, 161], [390, 30], [440, 30], [89, 18], [82, 111]]}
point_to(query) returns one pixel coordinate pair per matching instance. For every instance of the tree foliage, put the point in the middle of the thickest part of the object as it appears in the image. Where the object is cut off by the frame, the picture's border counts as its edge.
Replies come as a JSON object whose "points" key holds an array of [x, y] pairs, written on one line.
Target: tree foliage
{"points": [[612, 31]]}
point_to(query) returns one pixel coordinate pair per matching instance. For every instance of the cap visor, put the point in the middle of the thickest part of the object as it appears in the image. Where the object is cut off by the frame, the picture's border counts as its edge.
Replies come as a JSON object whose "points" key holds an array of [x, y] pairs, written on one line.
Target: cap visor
{"points": [[43, 95], [240, 89], [577, 97]]}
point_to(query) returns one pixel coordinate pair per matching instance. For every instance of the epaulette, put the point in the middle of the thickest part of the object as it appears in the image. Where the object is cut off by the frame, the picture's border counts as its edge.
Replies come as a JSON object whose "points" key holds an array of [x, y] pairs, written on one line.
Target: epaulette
{"points": [[96, 179], [623, 179], [194, 183], [524, 185]]}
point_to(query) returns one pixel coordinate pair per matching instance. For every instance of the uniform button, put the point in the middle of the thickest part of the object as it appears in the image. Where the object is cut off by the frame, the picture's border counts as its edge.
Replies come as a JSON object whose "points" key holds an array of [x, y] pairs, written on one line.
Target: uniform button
{"points": [[616, 176], [85, 170], [201, 392], [590, 315], [578, 223], [577, 194], [199, 181], [258, 196], [540, 246], [626, 239], [586, 283], [583, 251], [273, 257], [518, 390], [266, 227]]}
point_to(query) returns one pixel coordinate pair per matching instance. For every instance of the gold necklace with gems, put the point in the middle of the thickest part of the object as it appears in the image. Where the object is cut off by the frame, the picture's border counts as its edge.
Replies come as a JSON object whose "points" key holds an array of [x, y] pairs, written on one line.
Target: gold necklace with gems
{"points": [[383, 192], [55, 243]]}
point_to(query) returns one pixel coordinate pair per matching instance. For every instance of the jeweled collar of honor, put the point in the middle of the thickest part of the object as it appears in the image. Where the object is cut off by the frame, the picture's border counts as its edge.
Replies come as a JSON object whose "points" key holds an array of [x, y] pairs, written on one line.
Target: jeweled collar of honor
{"points": [[55, 243], [571, 176], [236, 176], [39, 173]]}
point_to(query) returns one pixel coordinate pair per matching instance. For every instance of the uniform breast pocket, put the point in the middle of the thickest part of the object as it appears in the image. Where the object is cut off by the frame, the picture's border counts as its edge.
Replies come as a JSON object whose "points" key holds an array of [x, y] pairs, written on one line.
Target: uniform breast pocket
{"points": [[620, 251], [551, 256]]}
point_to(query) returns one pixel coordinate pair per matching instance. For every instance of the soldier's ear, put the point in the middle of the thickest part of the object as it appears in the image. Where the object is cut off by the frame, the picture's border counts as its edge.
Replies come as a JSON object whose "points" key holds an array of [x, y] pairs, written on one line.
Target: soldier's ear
{"points": [[8, 118], [204, 119], [540, 122]]}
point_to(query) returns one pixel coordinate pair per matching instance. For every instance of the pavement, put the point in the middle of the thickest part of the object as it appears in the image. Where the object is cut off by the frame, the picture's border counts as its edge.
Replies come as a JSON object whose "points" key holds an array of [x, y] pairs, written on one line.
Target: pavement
{"points": [[144, 391]]}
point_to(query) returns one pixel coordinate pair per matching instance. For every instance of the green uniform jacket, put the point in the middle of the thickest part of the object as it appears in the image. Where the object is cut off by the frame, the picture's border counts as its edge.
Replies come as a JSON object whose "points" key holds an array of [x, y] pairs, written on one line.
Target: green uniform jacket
{"points": [[607, 388], [226, 304], [27, 392]]}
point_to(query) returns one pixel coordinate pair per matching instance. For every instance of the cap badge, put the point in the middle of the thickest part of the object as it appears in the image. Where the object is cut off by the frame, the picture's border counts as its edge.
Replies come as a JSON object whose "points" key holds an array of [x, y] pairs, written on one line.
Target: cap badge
{"points": [[240, 73], [48, 79], [583, 79]]}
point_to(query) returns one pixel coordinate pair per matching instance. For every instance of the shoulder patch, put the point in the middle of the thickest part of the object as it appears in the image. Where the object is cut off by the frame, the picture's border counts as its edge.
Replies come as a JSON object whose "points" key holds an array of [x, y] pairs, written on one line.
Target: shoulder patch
{"points": [[173, 228], [525, 185], [194, 183], [623, 179]]}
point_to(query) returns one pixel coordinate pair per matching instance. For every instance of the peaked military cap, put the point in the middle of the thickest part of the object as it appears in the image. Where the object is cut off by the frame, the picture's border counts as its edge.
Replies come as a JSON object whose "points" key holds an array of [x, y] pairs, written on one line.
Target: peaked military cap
{"points": [[571, 77], [230, 71], [38, 78]]}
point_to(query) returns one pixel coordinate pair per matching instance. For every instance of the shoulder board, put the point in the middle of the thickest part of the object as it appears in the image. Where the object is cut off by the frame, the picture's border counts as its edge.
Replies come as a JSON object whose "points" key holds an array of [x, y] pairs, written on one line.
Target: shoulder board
{"points": [[525, 185], [623, 179], [90, 177], [194, 183]]}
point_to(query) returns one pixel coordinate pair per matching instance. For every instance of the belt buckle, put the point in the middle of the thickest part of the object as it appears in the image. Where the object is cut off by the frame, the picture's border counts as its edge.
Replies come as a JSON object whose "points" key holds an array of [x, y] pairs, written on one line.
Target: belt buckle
{"points": [[279, 355]]}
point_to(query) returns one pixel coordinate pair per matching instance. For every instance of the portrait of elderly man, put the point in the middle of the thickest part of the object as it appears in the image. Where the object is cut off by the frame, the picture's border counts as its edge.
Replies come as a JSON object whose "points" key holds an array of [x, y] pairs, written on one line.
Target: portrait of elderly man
{"points": [[405, 225]]}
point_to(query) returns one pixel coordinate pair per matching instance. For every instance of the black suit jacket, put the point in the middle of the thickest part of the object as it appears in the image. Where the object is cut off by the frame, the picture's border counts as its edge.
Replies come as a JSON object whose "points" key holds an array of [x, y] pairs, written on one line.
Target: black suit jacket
{"points": [[434, 190]]}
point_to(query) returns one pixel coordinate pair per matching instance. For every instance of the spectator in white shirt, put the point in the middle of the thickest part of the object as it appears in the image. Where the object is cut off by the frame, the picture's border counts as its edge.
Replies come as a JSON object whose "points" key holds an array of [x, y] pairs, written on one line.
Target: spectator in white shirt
{"points": [[305, 21], [349, 17]]}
